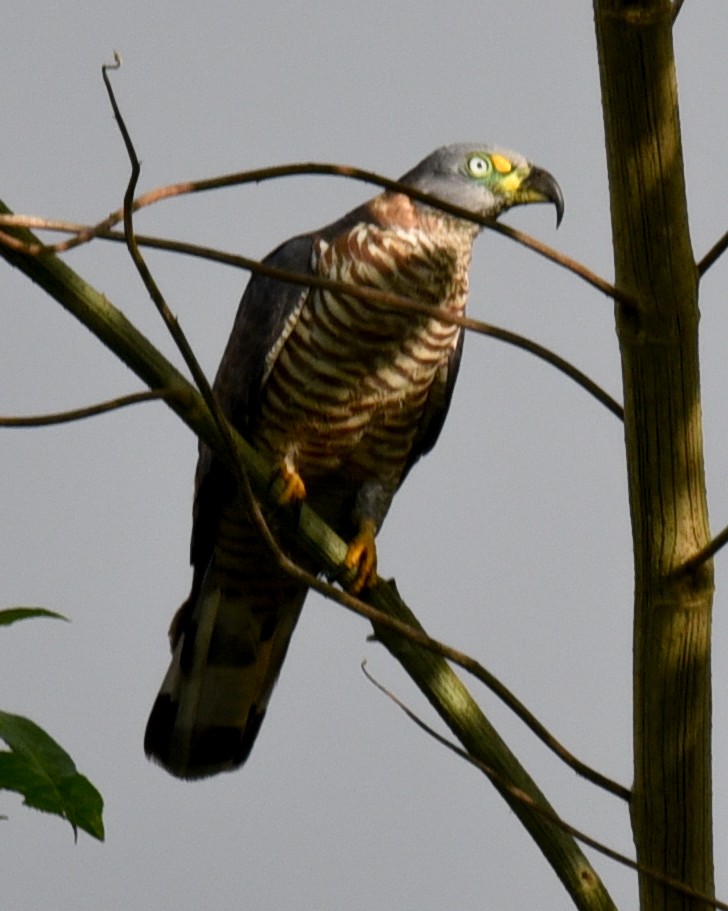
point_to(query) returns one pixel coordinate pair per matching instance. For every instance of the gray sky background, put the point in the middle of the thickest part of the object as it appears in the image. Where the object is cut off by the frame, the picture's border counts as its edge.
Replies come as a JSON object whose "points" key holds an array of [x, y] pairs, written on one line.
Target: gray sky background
{"points": [[511, 541]]}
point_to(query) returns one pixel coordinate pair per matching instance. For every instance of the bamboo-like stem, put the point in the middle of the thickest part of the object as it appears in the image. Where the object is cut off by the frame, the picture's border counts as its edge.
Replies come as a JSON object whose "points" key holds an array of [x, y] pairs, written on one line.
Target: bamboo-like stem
{"points": [[671, 802]]}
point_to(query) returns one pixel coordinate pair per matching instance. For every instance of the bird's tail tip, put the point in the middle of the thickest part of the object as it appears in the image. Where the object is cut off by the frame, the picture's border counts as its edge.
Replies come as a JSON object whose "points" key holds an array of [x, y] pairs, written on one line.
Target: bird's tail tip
{"points": [[206, 750]]}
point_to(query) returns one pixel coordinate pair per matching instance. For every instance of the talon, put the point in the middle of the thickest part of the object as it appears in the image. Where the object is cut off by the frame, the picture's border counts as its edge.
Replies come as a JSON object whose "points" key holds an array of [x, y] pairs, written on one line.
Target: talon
{"points": [[362, 556], [294, 488]]}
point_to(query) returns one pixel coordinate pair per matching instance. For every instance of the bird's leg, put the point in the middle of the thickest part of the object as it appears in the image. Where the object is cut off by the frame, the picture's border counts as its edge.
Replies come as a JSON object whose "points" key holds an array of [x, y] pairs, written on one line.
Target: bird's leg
{"points": [[294, 488], [372, 502], [362, 556]]}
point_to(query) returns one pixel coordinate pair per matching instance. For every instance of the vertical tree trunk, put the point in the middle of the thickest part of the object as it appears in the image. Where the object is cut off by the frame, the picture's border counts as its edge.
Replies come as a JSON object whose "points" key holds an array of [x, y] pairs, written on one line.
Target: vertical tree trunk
{"points": [[671, 806]]}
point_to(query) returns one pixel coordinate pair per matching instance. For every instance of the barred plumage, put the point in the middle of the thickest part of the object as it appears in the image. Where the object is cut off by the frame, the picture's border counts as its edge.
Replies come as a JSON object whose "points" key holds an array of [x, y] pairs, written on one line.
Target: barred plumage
{"points": [[356, 373], [343, 394]]}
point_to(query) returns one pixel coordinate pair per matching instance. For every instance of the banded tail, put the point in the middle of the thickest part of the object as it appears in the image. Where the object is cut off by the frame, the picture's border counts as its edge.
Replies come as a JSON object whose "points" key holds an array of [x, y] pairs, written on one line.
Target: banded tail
{"points": [[228, 644]]}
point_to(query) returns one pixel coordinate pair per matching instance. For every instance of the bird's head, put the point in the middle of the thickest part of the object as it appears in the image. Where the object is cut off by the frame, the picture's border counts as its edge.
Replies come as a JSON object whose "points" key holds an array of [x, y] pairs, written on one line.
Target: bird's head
{"points": [[484, 180]]}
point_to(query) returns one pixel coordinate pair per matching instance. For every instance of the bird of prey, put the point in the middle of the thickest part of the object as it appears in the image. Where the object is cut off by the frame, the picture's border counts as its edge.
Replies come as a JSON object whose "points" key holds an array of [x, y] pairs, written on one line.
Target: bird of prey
{"points": [[343, 395]]}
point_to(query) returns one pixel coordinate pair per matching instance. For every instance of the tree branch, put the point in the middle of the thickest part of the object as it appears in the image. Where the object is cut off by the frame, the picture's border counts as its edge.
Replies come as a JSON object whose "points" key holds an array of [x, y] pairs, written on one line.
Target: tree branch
{"points": [[382, 297], [715, 252], [87, 233], [431, 672], [77, 414], [680, 887]]}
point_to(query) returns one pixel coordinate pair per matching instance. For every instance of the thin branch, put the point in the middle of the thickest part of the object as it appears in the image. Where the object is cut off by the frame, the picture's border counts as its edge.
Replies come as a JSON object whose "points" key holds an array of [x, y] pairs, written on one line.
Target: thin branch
{"points": [[555, 360], [12, 243], [77, 414], [676, 7], [716, 251], [81, 233], [225, 430], [390, 300], [690, 566], [419, 637], [374, 294], [172, 324], [572, 265], [270, 173], [547, 812]]}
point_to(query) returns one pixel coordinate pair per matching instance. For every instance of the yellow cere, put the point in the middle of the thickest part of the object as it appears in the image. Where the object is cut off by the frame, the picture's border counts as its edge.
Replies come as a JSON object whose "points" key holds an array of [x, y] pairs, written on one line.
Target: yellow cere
{"points": [[501, 164], [512, 182]]}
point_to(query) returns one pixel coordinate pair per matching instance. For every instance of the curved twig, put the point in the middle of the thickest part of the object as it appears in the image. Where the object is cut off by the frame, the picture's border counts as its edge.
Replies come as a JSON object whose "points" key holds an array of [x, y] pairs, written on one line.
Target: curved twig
{"points": [[572, 265], [170, 321], [383, 297], [473, 667], [519, 795], [77, 414], [260, 175], [391, 300]]}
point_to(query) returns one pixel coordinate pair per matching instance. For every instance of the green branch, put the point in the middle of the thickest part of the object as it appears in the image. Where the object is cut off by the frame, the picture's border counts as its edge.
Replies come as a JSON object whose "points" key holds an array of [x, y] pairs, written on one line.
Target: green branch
{"points": [[432, 674]]}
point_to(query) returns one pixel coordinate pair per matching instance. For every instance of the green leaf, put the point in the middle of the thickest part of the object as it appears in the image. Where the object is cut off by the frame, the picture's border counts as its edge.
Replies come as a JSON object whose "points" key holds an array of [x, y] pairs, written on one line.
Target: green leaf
{"points": [[39, 769], [12, 614]]}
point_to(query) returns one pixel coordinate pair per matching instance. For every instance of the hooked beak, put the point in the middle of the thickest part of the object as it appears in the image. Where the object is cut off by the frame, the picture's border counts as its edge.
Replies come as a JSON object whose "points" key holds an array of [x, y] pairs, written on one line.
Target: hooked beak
{"points": [[540, 186]]}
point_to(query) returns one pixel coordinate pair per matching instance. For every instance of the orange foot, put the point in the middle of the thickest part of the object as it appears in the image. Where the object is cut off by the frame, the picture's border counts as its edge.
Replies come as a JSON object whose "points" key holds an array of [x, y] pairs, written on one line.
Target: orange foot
{"points": [[362, 556], [294, 488]]}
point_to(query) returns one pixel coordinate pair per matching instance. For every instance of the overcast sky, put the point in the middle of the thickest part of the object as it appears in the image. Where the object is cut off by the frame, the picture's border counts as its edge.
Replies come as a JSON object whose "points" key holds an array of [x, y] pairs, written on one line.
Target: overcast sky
{"points": [[511, 541]]}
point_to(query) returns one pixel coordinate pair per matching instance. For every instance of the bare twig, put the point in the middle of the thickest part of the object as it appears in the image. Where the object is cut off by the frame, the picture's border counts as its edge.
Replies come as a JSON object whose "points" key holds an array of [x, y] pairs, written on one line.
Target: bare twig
{"points": [[81, 233], [271, 173], [707, 553], [382, 297], [379, 618], [172, 324], [77, 414], [566, 262], [13, 243], [390, 300], [716, 251], [519, 795], [170, 321]]}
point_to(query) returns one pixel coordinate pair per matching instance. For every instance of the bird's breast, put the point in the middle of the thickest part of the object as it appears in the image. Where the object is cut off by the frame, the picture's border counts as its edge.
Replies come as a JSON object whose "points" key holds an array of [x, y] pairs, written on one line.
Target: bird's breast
{"points": [[349, 383]]}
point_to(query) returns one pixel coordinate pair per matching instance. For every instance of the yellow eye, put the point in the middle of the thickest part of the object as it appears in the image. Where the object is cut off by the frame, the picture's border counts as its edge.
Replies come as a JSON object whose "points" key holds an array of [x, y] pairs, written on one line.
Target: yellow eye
{"points": [[479, 166]]}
